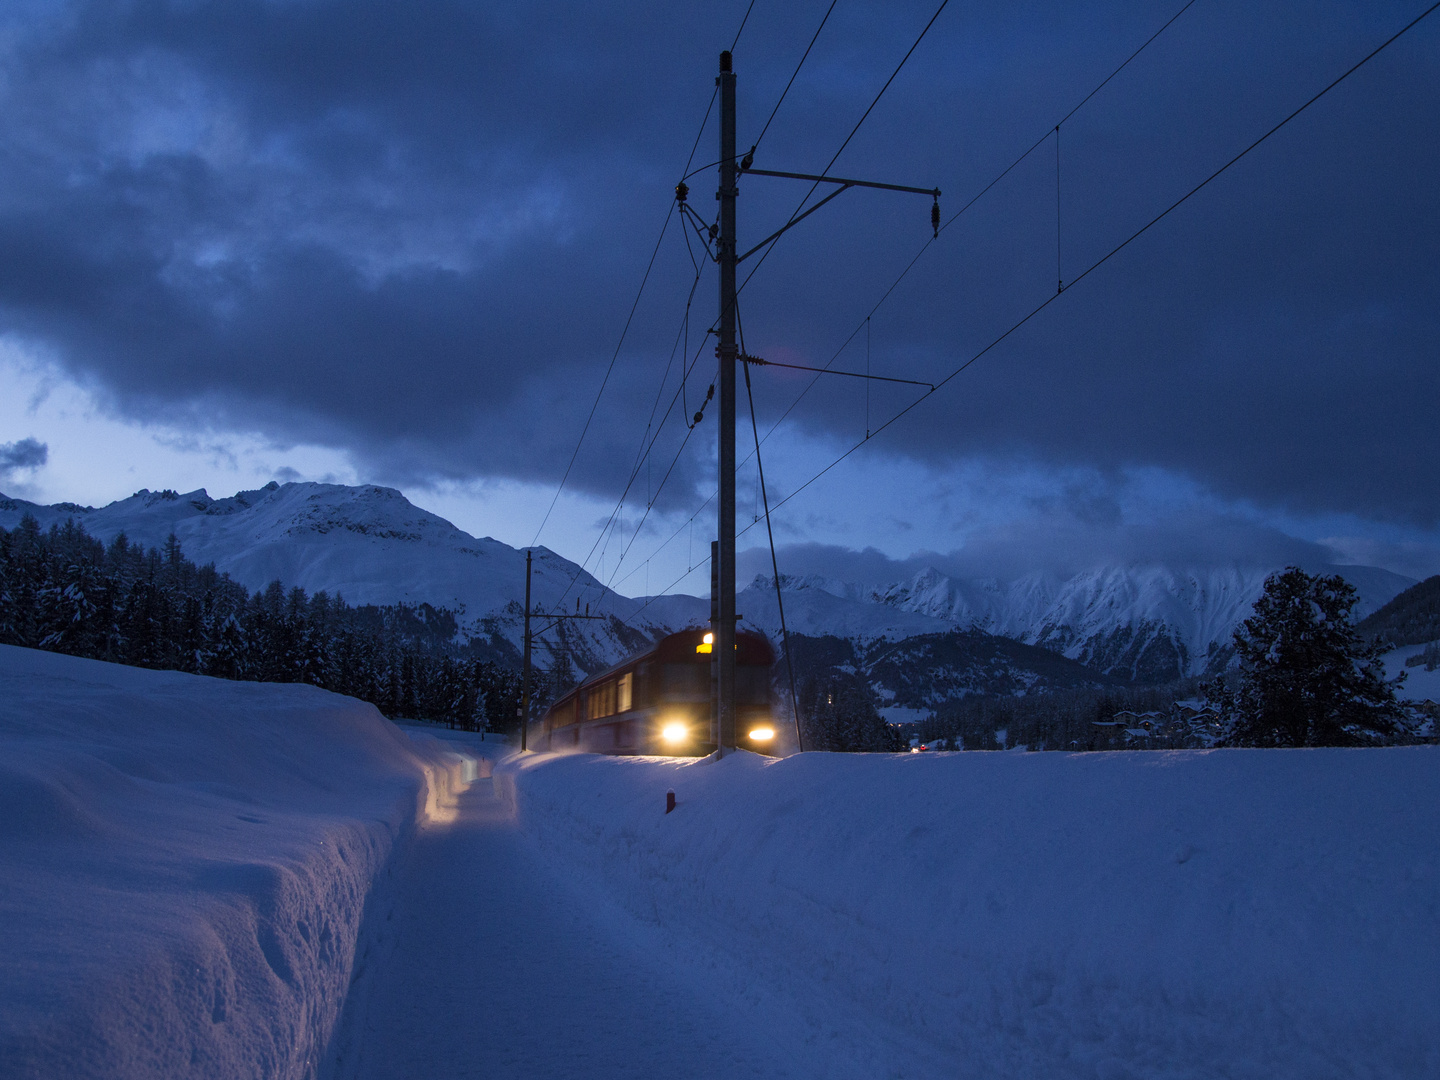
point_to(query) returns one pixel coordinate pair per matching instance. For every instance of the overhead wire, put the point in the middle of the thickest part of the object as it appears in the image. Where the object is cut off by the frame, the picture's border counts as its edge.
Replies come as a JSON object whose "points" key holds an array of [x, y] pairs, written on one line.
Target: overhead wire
{"points": [[864, 116], [594, 407], [781, 100], [687, 210], [853, 131], [972, 201], [1118, 248]]}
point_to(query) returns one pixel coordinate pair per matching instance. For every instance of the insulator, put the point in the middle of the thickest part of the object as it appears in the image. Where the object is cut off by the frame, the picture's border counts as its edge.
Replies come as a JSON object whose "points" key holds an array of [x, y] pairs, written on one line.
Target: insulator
{"points": [[714, 230], [682, 191], [699, 416], [935, 216]]}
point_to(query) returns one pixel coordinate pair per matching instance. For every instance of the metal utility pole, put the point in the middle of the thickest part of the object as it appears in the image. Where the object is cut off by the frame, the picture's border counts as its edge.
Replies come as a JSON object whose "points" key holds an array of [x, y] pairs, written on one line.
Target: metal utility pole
{"points": [[554, 621], [714, 628], [525, 678], [727, 351], [723, 554]]}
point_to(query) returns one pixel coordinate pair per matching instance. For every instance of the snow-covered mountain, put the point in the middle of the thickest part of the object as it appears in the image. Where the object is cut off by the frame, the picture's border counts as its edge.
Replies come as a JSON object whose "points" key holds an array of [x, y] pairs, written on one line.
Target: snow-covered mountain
{"points": [[371, 545], [1138, 622]]}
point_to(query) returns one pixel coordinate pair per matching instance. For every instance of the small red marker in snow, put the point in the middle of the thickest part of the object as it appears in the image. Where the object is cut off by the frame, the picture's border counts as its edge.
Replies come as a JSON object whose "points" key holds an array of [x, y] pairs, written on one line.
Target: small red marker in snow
{"points": [[669, 801]]}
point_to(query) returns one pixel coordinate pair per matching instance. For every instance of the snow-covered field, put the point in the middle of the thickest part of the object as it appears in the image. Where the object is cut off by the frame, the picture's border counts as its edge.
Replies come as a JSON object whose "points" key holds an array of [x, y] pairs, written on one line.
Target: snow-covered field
{"points": [[1228, 913], [1419, 683], [184, 863], [212, 879]]}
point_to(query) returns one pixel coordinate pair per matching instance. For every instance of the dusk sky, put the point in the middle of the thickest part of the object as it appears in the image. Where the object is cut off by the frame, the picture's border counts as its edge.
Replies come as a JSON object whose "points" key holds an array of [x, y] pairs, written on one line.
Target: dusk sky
{"points": [[399, 243]]}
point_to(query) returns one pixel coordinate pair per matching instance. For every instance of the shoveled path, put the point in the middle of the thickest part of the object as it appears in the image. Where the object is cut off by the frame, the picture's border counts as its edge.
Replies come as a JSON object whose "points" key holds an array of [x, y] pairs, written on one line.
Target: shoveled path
{"points": [[482, 962]]}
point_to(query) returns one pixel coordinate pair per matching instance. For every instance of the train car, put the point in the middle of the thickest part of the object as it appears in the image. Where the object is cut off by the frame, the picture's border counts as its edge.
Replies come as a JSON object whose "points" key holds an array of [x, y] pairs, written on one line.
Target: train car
{"points": [[660, 702]]}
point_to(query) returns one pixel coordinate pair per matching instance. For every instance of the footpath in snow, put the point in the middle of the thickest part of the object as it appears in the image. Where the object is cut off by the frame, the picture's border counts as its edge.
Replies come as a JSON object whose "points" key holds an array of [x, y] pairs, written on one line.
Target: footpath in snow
{"points": [[210, 879], [1190, 914], [481, 958], [184, 864]]}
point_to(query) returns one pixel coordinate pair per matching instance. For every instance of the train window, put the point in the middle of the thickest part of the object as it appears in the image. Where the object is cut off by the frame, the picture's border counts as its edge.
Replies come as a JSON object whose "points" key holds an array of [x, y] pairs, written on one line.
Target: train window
{"points": [[623, 692], [601, 700]]}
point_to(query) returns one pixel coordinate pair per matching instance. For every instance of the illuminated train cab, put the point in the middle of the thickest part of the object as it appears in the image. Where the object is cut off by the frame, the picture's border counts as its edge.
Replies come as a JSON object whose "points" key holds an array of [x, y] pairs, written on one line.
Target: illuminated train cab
{"points": [[659, 702]]}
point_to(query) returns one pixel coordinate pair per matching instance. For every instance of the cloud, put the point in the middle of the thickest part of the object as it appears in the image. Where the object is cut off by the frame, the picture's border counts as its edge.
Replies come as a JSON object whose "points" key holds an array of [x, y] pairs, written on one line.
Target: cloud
{"points": [[1061, 546], [26, 454], [414, 232]]}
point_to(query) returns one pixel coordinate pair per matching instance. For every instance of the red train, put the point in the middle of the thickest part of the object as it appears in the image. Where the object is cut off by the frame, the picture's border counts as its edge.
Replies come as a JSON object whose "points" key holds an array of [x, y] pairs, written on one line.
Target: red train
{"points": [[660, 702]]}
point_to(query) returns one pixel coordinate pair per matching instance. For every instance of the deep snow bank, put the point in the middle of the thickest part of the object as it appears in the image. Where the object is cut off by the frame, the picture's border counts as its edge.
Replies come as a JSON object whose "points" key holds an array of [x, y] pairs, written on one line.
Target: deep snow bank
{"points": [[1159, 914], [184, 863]]}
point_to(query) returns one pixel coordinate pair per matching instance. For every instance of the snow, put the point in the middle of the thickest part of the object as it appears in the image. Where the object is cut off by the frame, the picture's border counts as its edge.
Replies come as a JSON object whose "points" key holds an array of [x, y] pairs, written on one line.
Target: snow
{"points": [[371, 545], [1419, 684], [368, 544], [1229, 913], [1194, 606], [215, 879], [184, 865]]}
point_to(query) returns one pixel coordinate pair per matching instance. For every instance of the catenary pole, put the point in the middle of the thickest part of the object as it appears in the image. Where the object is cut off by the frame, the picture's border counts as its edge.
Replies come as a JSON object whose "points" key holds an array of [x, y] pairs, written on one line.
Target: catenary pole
{"points": [[525, 677], [725, 631]]}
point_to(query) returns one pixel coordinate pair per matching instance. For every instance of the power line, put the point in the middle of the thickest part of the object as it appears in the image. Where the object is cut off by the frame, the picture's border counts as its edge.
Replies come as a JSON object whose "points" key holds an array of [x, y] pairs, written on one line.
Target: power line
{"points": [[761, 137], [605, 381], [871, 108], [865, 322], [973, 200], [704, 122], [1117, 248]]}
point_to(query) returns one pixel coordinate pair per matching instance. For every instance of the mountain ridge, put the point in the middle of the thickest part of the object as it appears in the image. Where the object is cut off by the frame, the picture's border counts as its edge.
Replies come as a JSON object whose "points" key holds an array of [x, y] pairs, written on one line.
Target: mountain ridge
{"points": [[1142, 622]]}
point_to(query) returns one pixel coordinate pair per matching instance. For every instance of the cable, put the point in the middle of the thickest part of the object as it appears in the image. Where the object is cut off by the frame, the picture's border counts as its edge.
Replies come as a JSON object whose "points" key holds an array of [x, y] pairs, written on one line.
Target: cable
{"points": [[704, 122], [766, 253], [743, 21], [775, 567], [1117, 249], [973, 200], [760, 138], [605, 381]]}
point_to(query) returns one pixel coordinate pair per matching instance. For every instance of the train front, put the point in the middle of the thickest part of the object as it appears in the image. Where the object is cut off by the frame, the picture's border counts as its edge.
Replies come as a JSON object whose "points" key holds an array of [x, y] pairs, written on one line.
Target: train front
{"points": [[682, 675]]}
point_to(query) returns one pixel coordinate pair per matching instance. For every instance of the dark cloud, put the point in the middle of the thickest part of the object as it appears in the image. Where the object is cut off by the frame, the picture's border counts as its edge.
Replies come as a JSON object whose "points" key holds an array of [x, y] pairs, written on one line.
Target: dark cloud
{"points": [[1060, 546], [22, 455], [414, 231]]}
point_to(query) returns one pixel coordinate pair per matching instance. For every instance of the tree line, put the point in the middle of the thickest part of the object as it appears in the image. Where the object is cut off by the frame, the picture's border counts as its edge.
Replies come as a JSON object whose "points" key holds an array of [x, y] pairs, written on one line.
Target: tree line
{"points": [[1304, 675], [65, 591]]}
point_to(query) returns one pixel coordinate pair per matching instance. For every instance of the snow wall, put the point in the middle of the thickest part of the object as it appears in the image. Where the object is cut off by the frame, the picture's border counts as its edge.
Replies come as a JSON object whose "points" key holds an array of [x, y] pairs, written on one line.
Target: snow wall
{"points": [[1236, 913], [184, 863]]}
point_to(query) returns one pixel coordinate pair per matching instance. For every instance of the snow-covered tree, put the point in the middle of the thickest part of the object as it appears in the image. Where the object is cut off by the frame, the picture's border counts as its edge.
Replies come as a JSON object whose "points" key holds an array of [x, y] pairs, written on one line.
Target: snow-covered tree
{"points": [[1306, 678]]}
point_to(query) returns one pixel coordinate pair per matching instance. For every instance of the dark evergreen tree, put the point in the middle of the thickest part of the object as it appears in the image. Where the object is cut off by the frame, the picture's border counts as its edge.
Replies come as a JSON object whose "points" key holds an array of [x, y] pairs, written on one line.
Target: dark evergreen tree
{"points": [[1306, 678], [839, 713]]}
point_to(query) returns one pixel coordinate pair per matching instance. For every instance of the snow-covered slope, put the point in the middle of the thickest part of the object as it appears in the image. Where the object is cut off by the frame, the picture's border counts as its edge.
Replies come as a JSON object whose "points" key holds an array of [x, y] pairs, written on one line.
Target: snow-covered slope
{"points": [[184, 863], [1251, 914], [1148, 622], [370, 545]]}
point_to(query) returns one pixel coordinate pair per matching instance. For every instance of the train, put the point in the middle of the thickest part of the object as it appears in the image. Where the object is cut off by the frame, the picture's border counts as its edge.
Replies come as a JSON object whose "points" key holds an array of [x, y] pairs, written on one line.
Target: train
{"points": [[659, 702]]}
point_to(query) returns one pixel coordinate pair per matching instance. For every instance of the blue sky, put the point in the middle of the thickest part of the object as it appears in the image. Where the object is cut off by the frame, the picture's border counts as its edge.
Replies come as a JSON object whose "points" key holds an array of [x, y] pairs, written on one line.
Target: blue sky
{"points": [[399, 243]]}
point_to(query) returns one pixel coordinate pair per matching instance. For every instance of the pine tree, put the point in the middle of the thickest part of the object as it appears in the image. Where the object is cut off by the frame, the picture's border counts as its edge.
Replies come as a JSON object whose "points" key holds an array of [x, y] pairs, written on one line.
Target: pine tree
{"points": [[1306, 677]]}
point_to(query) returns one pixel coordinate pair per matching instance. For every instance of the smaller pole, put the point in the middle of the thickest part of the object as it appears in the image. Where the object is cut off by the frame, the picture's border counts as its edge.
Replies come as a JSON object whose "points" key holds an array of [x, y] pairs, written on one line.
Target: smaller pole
{"points": [[714, 637], [525, 677]]}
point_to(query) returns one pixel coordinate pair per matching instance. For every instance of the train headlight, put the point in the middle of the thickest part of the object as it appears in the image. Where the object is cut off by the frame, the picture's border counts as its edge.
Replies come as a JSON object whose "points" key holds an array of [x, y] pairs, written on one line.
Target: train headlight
{"points": [[762, 734], [674, 732]]}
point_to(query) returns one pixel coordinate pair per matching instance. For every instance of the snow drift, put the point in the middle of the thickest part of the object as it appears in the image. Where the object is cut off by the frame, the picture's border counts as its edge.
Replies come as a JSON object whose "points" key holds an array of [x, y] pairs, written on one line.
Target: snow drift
{"points": [[184, 863], [1239, 913]]}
